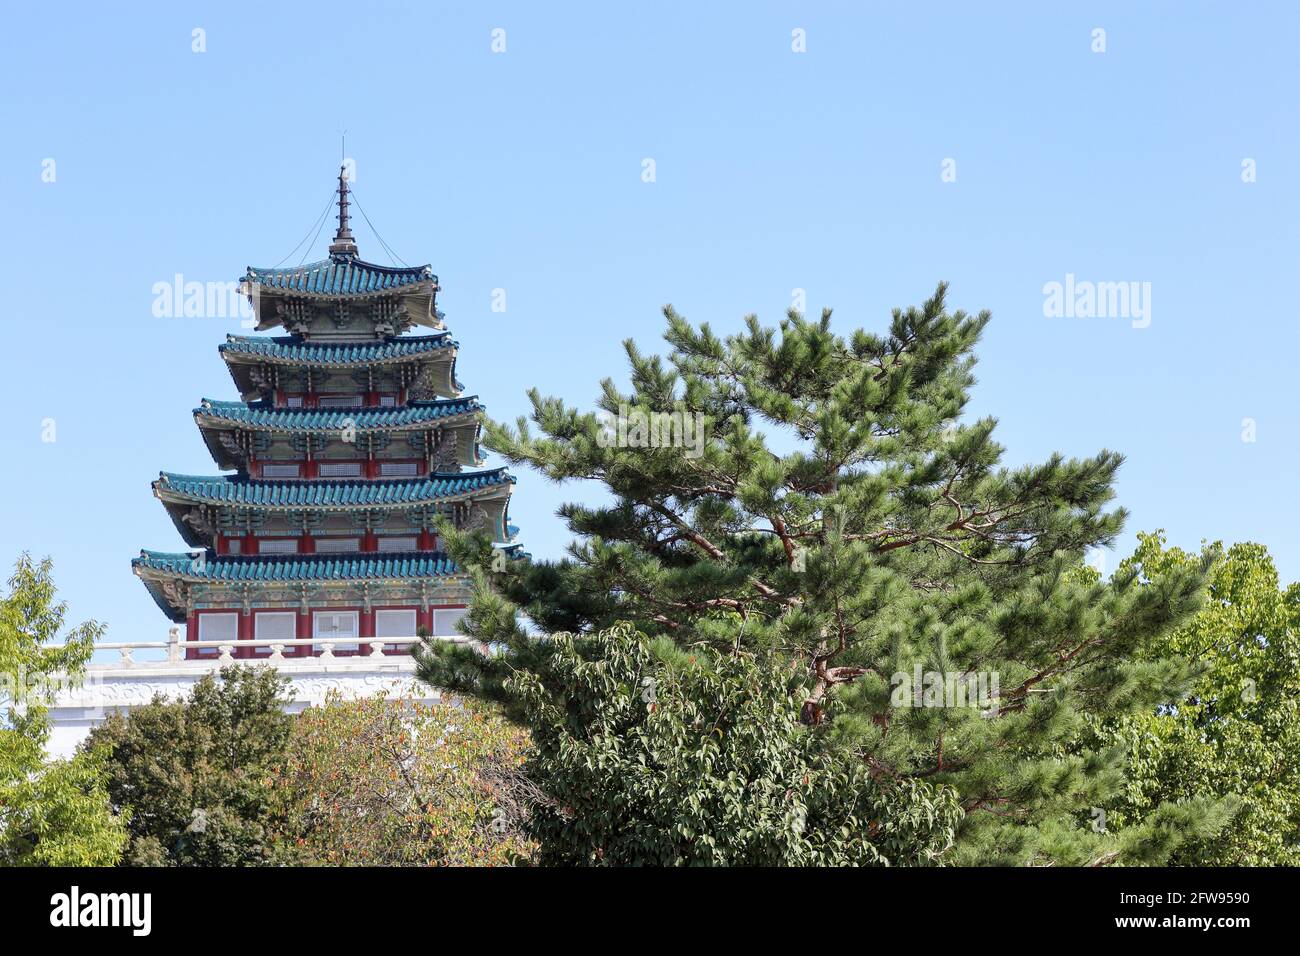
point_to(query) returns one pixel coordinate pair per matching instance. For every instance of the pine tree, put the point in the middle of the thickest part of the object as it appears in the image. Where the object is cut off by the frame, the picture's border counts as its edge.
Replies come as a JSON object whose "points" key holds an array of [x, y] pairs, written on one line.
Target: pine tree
{"points": [[835, 513]]}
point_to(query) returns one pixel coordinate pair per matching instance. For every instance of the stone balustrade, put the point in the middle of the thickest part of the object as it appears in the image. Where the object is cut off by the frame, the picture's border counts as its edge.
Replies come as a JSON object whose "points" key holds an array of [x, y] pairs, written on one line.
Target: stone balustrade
{"points": [[174, 651]]}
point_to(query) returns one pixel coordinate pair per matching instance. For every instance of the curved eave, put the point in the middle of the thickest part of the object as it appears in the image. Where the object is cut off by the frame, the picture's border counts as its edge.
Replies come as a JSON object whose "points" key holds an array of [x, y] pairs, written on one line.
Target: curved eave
{"points": [[176, 511], [456, 412], [341, 275], [441, 346], [468, 453], [494, 496], [331, 495], [334, 497], [158, 569], [212, 425], [153, 584], [504, 533], [418, 300], [207, 568], [208, 423], [441, 360], [254, 287], [360, 421]]}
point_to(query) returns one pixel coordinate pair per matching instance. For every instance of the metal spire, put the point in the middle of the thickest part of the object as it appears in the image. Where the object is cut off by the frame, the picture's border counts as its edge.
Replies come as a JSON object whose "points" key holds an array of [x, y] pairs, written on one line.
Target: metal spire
{"points": [[343, 243]]}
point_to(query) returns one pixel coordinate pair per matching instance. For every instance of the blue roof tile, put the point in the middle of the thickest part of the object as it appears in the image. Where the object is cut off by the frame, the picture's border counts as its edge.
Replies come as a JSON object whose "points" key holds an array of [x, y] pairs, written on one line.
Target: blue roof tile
{"points": [[200, 566], [238, 490], [265, 415], [292, 348], [340, 275]]}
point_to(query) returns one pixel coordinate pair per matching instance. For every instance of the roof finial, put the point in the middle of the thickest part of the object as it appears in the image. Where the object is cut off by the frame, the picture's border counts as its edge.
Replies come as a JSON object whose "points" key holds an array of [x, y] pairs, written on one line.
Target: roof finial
{"points": [[343, 243]]}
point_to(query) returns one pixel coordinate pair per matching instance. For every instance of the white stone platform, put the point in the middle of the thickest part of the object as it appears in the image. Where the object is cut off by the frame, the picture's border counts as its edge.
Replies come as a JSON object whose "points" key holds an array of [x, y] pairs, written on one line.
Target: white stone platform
{"points": [[127, 682]]}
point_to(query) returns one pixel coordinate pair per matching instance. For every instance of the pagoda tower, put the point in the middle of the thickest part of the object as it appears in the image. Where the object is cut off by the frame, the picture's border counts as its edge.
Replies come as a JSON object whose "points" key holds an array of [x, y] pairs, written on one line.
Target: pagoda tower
{"points": [[349, 440]]}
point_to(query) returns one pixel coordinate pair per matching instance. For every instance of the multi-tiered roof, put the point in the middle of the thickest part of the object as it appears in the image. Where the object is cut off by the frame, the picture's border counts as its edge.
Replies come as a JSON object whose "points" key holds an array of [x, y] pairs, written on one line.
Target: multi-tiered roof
{"points": [[347, 445]]}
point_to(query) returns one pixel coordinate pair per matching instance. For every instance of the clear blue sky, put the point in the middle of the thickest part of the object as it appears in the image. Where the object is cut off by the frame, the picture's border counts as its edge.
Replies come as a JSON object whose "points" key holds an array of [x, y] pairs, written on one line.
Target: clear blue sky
{"points": [[775, 170]]}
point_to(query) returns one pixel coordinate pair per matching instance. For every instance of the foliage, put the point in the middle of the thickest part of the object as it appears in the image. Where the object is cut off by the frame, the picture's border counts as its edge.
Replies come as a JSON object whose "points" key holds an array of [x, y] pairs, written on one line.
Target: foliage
{"points": [[646, 755], [1238, 735], [400, 783], [196, 774], [867, 533], [53, 813]]}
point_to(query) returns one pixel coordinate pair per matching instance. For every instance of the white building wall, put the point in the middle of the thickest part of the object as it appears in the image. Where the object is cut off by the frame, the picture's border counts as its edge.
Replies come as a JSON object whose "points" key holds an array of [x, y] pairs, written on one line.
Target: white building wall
{"points": [[119, 687]]}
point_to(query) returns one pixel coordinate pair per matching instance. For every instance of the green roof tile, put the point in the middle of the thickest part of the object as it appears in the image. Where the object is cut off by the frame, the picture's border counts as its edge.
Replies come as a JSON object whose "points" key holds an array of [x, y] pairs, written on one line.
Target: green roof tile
{"points": [[340, 275], [201, 566], [292, 348], [289, 493], [265, 415]]}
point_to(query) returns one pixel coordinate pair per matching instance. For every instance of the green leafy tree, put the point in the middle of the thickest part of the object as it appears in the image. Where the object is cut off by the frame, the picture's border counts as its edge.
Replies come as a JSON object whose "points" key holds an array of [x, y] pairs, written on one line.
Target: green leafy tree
{"points": [[1237, 736], [647, 755], [197, 775], [52, 813], [819, 501], [377, 782]]}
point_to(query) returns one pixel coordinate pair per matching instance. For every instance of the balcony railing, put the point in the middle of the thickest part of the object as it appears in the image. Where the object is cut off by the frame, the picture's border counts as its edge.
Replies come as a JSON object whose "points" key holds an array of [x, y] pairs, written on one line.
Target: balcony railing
{"points": [[174, 649]]}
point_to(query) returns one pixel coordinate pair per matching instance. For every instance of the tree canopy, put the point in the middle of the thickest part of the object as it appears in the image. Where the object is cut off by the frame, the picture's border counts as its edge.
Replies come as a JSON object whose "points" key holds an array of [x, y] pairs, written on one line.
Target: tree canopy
{"points": [[380, 782], [1237, 735], [196, 774], [647, 755], [838, 517], [53, 813]]}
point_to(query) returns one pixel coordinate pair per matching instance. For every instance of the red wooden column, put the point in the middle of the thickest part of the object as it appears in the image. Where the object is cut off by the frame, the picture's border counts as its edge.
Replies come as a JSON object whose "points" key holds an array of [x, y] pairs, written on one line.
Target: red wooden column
{"points": [[245, 633], [191, 634], [366, 621], [303, 634]]}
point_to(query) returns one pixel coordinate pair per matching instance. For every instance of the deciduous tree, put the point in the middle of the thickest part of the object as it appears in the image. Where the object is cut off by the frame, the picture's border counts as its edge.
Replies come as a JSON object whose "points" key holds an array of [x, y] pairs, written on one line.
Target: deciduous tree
{"points": [[1237, 735], [380, 782], [196, 774], [53, 813], [648, 755]]}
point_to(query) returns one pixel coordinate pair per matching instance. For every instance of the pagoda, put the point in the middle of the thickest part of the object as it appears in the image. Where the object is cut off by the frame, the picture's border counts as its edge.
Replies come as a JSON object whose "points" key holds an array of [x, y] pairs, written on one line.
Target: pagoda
{"points": [[350, 439]]}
